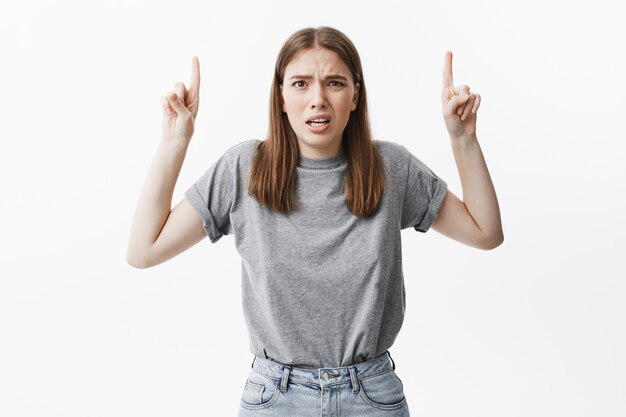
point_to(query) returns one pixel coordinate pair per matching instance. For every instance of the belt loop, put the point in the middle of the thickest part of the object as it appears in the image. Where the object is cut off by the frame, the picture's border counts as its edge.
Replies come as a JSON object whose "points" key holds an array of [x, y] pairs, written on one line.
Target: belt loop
{"points": [[285, 379], [392, 362], [355, 382]]}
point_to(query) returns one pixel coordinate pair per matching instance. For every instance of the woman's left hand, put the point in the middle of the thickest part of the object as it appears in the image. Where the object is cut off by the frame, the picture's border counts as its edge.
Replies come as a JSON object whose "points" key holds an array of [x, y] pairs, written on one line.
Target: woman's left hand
{"points": [[459, 104]]}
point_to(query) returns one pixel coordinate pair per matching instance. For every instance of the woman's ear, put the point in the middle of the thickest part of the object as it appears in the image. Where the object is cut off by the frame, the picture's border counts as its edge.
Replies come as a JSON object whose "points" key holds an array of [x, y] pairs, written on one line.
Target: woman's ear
{"points": [[355, 99]]}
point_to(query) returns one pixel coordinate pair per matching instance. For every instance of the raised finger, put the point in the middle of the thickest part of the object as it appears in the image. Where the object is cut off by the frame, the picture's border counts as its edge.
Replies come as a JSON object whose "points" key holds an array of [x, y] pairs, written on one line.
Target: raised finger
{"points": [[194, 88], [447, 71]]}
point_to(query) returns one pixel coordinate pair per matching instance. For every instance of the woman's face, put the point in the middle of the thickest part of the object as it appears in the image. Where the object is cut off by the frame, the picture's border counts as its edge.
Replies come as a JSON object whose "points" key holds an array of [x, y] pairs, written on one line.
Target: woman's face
{"points": [[318, 83]]}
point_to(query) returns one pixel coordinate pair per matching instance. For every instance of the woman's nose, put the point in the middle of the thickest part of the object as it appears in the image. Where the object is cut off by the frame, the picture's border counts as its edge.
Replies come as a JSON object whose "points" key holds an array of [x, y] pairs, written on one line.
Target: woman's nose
{"points": [[318, 96]]}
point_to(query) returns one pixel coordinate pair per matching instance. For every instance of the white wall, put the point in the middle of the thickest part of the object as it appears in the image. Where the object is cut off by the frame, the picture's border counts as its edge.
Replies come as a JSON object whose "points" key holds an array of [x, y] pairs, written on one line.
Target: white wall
{"points": [[535, 327]]}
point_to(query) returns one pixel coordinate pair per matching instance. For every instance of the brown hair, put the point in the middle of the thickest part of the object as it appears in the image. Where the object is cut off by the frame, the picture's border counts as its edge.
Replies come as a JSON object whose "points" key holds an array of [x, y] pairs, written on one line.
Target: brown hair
{"points": [[273, 174]]}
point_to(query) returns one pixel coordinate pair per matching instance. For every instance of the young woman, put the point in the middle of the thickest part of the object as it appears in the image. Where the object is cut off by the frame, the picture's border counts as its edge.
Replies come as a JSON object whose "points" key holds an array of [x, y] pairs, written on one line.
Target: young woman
{"points": [[316, 210]]}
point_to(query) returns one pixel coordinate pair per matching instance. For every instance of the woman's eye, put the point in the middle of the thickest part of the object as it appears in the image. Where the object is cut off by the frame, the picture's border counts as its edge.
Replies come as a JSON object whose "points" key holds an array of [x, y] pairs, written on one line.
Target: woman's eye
{"points": [[337, 83]]}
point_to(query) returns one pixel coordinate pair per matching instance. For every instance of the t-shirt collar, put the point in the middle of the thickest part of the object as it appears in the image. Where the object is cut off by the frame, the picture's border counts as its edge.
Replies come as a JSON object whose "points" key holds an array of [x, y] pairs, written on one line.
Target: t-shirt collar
{"points": [[323, 163]]}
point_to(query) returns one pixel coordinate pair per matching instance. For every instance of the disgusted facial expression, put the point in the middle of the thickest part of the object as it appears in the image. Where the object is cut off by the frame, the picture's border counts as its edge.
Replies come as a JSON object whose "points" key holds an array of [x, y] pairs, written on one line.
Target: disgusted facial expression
{"points": [[318, 86]]}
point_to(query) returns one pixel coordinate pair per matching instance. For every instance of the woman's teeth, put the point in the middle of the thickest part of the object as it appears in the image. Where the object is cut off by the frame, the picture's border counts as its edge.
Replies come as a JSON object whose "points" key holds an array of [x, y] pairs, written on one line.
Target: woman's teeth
{"points": [[321, 123]]}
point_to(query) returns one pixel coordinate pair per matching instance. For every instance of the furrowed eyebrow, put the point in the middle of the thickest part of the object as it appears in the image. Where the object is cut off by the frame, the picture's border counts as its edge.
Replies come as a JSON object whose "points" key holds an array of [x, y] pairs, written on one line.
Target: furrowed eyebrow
{"points": [[308, 77]]}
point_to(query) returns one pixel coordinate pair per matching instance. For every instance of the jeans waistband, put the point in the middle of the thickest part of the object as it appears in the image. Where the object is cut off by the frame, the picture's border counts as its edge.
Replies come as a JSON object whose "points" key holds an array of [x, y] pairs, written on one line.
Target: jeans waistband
{"points": [[323, 377]]}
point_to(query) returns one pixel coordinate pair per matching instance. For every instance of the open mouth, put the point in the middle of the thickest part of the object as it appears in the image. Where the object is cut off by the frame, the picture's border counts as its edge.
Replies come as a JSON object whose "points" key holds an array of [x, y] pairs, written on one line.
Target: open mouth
{"points": [[318, 122]]}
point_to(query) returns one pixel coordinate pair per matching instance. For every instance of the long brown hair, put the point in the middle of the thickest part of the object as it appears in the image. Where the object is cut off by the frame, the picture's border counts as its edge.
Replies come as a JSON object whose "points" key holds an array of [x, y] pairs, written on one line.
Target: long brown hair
{"points": [[273, 173]]}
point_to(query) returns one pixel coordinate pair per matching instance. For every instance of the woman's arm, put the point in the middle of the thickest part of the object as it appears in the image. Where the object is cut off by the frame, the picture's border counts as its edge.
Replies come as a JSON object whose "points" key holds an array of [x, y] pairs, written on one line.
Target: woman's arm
{"points": [[157, 232], [475, 220]]}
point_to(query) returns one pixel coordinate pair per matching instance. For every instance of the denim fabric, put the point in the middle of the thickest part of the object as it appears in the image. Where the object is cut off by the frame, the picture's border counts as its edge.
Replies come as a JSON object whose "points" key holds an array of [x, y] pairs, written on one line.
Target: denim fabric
{"points": [[367, 389]]}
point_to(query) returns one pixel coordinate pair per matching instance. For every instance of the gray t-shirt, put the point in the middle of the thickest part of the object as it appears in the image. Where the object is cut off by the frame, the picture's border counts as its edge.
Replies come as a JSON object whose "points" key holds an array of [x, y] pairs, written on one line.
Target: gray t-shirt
{"points": [[321, 287]]}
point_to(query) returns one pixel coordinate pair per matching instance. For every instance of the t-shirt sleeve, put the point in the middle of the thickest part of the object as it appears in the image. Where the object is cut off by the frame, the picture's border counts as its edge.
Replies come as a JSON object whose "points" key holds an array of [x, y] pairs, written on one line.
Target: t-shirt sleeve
{"points": [[212, 197], [424, 193]]}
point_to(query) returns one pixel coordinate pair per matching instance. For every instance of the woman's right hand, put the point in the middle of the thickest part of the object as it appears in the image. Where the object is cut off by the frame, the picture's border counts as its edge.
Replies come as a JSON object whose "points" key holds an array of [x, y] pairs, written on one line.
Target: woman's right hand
{"points": [[180, 108]]}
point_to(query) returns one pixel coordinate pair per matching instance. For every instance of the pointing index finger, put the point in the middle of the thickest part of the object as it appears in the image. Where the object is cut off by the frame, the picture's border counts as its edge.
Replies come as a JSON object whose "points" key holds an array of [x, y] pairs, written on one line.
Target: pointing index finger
{"points": [[447, 70], [194, 87]]}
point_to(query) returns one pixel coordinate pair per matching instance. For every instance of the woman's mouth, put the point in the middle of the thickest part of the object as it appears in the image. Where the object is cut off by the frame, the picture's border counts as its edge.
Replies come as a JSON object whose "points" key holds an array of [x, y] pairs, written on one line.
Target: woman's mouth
{"points": [[318, 125]]}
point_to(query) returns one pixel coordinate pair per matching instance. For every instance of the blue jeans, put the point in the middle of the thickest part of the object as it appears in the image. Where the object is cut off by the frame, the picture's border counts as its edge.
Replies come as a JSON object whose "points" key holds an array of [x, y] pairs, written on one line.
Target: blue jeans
{"points": [[367, 389]]}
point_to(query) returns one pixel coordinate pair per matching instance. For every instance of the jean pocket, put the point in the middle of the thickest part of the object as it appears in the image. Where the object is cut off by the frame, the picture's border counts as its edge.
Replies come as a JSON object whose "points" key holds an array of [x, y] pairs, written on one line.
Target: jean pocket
{"points": [[259, 392], [383, 391]]}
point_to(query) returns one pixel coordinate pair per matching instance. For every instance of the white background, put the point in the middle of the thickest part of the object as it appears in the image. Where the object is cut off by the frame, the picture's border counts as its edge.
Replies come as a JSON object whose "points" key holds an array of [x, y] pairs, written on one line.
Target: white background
{"points": [[535, 327]]}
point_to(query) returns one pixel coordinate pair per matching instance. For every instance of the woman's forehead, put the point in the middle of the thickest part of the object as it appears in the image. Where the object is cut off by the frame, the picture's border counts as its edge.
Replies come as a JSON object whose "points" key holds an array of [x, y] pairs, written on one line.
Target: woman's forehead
{"points": [[310, 61]]}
